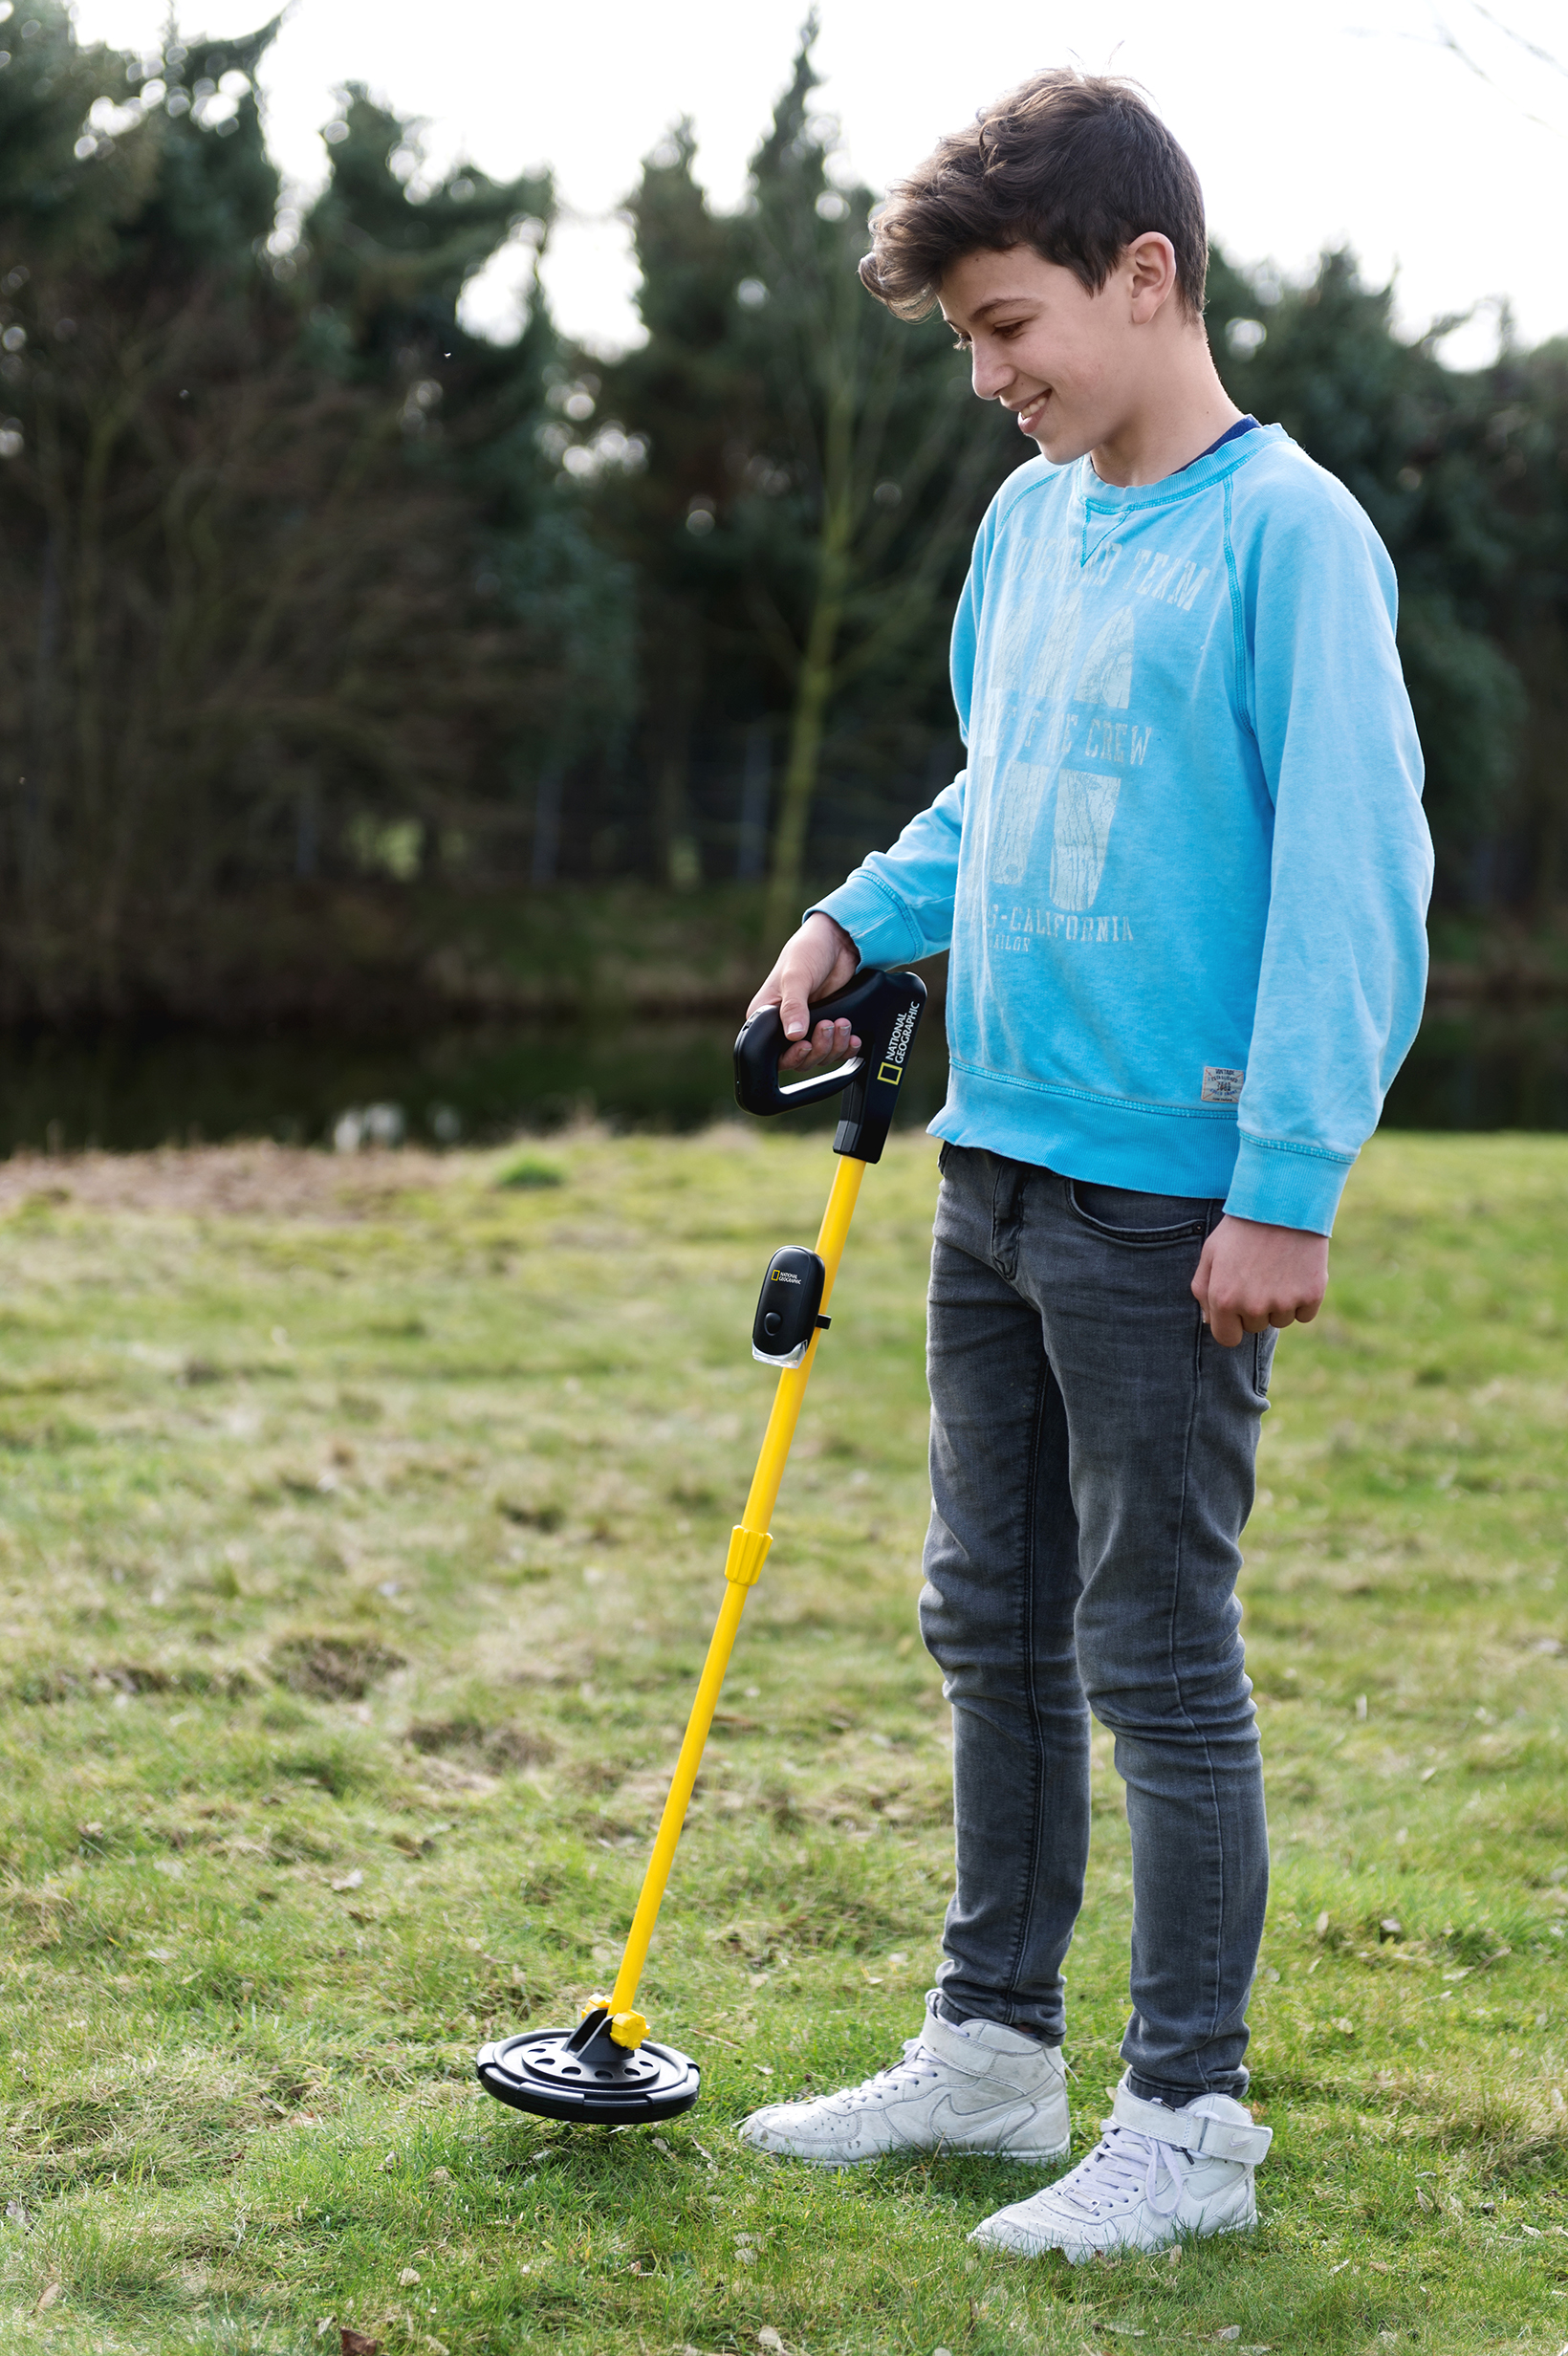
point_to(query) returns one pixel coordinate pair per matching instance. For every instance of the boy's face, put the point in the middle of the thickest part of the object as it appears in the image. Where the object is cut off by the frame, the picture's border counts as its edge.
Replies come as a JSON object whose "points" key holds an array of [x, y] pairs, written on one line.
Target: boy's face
{"points": [[1066, 362]]}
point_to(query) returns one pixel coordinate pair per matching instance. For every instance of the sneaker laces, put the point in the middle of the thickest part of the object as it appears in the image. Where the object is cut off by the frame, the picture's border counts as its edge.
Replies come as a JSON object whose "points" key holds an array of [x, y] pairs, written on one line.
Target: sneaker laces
{"points": [[919, 2064], [1125, 2162]]}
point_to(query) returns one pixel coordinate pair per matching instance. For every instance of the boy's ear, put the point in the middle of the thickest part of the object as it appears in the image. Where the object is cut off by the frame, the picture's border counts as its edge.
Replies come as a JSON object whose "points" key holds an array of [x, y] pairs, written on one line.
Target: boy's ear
{"points": [[1148, 271]]}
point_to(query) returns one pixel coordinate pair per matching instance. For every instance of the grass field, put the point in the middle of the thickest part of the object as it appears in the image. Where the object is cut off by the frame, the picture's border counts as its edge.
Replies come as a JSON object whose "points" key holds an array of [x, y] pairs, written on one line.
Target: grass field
{"points": [[362, 1532]]}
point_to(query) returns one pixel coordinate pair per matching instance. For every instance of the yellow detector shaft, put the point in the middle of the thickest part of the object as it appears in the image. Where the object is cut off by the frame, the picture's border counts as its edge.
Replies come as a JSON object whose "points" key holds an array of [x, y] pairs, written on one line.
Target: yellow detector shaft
{"points": [[749, 1544]]}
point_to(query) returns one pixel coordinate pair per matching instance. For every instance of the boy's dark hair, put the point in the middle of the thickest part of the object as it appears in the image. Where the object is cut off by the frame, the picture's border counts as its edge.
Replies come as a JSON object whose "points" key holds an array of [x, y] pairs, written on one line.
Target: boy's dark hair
{"points": [[1077, 166]]}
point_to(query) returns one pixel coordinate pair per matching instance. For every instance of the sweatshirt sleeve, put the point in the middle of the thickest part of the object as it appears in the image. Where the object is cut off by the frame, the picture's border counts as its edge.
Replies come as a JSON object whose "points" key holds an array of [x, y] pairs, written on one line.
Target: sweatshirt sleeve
{"points": [[1343, 971], [898, 904]]}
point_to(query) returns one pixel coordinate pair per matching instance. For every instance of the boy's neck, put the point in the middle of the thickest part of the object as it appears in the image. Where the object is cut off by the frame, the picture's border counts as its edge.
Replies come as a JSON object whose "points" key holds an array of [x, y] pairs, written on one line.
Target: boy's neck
{"points": [[1171, 418]]}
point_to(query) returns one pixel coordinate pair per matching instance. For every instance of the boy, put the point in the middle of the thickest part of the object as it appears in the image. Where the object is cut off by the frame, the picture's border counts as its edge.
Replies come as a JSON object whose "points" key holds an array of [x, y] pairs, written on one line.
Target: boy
{"points": [[1184, 879]]}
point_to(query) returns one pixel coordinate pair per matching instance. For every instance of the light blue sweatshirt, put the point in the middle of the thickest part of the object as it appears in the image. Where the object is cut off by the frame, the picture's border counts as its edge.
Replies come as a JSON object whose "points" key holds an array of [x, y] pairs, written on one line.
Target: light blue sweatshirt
{"points": [[1184, 873]]}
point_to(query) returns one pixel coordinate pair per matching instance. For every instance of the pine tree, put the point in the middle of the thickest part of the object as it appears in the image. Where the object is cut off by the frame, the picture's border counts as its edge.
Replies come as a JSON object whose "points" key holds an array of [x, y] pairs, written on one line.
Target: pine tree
{"points": [[386, 259], [1409, 438], [815, 473], [892, 459], [288, 585], [680, 400]]}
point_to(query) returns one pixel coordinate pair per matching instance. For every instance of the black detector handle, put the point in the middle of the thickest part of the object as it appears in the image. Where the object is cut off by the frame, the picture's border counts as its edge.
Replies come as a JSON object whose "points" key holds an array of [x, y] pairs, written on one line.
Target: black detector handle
{"points": [[884, 1010]]}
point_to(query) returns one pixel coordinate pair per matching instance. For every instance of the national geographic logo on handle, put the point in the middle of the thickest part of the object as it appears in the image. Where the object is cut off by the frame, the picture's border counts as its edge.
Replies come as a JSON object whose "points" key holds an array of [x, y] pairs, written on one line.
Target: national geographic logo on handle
{"points": [[891, 1068]]}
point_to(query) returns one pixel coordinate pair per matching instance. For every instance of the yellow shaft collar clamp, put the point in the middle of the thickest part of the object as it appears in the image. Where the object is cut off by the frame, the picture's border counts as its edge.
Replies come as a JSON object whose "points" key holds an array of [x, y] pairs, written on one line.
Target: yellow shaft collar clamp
{"points": [[747, 1553]]}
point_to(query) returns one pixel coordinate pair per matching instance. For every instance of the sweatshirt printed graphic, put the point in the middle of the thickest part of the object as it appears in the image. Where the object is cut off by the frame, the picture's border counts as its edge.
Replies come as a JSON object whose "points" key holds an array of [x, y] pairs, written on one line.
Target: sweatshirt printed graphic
{"points": [[1185, 874]]}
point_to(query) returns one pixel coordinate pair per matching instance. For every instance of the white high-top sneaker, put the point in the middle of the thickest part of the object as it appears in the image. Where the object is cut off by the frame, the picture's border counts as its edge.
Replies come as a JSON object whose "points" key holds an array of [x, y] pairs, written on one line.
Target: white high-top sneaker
{"points": [[980, 2088], [1156, 2176]]}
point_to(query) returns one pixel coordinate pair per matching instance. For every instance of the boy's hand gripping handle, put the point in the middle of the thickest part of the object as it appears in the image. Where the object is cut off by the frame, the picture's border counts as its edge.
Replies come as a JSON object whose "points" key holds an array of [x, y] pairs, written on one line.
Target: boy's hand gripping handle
{"points": [[885, 1010]]}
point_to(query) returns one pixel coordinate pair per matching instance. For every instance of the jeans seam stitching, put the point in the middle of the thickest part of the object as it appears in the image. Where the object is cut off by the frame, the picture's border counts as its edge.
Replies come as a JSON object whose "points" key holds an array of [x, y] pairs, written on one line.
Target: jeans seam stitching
{"points": [[1216, 1811], [1038, 1783]]}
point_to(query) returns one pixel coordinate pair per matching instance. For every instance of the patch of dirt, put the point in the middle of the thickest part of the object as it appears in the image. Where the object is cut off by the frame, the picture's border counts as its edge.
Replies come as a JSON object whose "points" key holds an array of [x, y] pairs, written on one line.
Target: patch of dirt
{"points": [[545, 1517], [499, 1747], [332, 1669], [260, 1181]]}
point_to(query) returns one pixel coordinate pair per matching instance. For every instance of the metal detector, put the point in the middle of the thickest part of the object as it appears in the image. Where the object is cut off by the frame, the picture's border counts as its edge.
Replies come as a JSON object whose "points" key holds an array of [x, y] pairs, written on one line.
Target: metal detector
{"points": [[607, 2071]]}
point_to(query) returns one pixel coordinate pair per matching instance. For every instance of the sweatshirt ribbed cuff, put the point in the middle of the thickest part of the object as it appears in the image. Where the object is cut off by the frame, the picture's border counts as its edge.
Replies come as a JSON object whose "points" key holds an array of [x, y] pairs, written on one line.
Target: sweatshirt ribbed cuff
{"points": [[1285, 1185], [879, 926]]}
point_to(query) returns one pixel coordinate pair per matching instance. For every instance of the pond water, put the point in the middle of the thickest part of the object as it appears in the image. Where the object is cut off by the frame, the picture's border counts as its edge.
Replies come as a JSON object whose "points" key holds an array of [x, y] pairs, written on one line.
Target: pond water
{"points": [[1486, 1068]]}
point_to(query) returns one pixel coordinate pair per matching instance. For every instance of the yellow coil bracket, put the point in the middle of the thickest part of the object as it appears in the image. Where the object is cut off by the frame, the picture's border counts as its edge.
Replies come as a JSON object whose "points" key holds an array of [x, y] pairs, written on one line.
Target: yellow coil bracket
{"points": [[748, 1545]]}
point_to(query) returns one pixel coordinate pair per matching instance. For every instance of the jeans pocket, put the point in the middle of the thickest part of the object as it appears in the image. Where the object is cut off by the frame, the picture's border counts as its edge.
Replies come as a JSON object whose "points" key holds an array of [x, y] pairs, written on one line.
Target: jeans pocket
{"points": [[1146, 1220]]}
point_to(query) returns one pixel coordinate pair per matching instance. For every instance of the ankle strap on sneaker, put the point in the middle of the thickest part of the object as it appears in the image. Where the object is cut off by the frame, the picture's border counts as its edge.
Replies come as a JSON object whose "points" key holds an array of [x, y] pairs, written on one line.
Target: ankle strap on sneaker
{"points": [[974, 2059], [1212, 2139]]}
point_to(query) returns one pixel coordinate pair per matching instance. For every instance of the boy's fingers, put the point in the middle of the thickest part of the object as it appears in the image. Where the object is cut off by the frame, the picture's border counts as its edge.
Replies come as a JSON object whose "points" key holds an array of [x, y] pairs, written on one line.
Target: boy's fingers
{"points": [[1251, 1277], [819, 955], [830, 1042], [797, 981], [795, 1012], [810, 964], [810, 1047], [768, 995], [1200, 1276]]}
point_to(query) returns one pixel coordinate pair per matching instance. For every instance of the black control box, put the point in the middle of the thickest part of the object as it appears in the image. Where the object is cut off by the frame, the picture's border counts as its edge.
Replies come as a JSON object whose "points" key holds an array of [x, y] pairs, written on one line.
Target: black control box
{"points": [[787, 1307]]}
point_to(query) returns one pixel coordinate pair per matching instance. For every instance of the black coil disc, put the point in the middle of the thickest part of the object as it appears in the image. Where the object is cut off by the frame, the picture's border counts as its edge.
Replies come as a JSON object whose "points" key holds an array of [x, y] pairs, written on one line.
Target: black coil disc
{"points": [[593, 2081]]}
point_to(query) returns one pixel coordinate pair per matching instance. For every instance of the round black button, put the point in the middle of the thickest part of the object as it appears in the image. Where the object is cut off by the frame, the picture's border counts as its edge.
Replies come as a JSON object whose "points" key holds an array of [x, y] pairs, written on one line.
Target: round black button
{"points": [[772, 1322]]}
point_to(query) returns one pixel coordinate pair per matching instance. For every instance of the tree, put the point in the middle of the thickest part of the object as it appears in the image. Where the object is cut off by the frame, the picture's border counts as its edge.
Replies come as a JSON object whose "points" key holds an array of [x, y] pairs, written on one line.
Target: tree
{"points": [[815, 473], [287, 584], [891, 460], [678, 403], [537, 610], [1523, 406], [1416, 445]]}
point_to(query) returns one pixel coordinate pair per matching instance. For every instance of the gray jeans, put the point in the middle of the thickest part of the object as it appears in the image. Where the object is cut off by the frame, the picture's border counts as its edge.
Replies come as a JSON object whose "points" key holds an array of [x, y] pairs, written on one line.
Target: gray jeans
{"points": [[1091, 1467]]}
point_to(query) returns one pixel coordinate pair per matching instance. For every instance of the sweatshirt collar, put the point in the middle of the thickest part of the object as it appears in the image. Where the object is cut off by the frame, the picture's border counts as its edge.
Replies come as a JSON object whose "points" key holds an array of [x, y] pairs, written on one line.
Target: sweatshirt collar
{"points": [[1111, 498]]}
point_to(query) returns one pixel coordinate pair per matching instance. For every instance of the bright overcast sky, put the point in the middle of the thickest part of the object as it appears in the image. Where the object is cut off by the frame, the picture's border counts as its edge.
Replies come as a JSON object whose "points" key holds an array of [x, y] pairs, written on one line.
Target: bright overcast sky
{"points": [[1428, 133]]}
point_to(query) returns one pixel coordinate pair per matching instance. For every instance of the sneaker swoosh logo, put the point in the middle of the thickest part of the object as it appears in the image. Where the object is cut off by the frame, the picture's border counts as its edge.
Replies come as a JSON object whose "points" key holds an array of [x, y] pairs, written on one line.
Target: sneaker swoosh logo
{"points": [[950, 2114]]}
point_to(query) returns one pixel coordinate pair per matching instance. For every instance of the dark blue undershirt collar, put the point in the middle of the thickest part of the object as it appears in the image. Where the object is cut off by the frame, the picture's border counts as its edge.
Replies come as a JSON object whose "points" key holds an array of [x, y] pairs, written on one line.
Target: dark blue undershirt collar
{"points": [[1232, 433]]}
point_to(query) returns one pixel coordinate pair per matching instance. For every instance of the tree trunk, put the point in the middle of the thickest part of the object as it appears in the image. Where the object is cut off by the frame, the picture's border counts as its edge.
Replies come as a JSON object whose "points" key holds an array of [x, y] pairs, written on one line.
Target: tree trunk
{"points": [[677, 842], [815, 678], [751, 834], [547, 826], [674, 670]]}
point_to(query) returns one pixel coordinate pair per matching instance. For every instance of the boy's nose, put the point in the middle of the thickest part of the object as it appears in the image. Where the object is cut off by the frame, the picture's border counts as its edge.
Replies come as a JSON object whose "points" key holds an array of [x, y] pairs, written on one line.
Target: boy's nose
{"points": [[991, 376]]}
